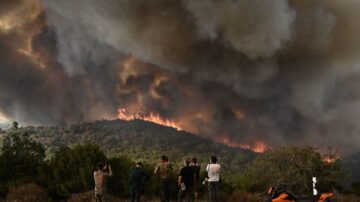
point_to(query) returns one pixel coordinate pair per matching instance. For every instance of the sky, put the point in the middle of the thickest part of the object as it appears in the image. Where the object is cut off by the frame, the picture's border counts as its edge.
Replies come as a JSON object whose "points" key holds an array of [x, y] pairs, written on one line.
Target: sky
{"points": [[273, 72]]}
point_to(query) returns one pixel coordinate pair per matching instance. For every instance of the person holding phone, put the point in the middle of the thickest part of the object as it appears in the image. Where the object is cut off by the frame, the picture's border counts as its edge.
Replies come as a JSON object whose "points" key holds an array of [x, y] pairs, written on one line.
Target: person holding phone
{"points": [[100, 181], [213, 170]]}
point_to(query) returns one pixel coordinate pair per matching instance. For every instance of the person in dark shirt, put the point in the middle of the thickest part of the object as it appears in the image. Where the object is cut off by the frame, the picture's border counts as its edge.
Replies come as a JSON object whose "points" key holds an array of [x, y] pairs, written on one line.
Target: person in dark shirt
{"points": [[137, 179], [185, 182], [196, 168]]}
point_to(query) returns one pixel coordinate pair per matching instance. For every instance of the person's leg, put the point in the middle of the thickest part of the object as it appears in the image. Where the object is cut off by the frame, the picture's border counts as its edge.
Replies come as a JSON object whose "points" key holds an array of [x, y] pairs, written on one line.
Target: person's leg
{"points": [[211, 191], [216, 191], [166, 190], [132, 197], [188, 196], [98, 198], [137, 197], [163, 190], [180, 196]]}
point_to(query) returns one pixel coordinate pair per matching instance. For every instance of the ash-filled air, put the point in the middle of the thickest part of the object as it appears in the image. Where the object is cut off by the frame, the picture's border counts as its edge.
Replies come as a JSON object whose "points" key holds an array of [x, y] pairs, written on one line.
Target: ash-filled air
{"points": [[245, 71]]}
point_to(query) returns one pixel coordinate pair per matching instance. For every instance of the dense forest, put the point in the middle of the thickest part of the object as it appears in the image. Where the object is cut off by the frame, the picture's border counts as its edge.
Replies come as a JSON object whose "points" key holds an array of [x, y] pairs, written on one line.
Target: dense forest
{"points": [[140, 140], [56, 163]]}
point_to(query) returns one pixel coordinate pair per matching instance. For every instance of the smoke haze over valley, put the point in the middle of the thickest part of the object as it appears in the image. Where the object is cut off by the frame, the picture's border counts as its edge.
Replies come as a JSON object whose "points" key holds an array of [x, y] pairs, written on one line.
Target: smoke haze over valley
{"points": [[245, 72]]}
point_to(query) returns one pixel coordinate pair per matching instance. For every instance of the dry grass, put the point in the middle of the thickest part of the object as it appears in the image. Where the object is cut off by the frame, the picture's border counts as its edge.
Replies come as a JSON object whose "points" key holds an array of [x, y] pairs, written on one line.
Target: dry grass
{"points": [[27, 193], [89, 197], [235, 197], [346, 198]]}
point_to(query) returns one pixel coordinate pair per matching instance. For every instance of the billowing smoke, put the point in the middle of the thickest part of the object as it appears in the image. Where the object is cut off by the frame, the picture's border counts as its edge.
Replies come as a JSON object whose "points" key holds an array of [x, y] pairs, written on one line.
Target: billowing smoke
{"points": [[275, 71]]}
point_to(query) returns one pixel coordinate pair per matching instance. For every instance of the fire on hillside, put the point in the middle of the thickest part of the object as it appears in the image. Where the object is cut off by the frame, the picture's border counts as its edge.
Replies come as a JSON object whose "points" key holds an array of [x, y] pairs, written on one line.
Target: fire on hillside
{"points": [[257, 146]]}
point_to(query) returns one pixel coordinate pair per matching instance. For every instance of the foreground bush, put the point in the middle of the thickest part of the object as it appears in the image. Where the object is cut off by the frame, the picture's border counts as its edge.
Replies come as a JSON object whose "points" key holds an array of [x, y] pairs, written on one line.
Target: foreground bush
{"points": [[245, 197], [27, 193], [89, 197], [346, 198], [292, 165]]}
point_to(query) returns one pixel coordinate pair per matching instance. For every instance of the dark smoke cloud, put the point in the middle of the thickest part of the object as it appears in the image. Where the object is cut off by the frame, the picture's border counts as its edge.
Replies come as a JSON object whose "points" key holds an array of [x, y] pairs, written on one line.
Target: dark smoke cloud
{"points": [[278, 71]]}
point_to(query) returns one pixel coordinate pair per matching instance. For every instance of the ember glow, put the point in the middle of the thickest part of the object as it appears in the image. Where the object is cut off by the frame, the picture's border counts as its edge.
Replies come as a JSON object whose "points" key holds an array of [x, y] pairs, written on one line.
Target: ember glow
{"points": [[257, 146], [123, 115]]}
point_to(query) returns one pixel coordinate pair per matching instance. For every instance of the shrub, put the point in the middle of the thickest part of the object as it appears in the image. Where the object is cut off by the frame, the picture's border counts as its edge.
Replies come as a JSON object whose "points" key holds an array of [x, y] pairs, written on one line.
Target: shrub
{"points": [[27, 193], [89, 197], [245, 197], [345, 198]]}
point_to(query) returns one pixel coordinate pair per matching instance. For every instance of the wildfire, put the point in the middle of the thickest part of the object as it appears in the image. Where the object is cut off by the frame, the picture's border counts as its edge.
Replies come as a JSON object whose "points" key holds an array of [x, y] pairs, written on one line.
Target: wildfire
{"points": [[123, 115], [330, 157], [257, 147]]}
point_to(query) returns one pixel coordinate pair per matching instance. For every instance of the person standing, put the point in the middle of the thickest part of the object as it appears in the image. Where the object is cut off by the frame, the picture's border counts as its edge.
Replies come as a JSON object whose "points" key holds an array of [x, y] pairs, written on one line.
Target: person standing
{"points": [[137, 179], [196, 168], [100, 181], [185, 182], [213, 170], [163, 170]]}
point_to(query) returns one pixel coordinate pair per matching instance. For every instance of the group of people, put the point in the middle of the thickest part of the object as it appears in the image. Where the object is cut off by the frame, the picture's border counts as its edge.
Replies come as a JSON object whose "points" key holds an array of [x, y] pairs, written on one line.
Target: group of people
{"points": [[188, 180]]}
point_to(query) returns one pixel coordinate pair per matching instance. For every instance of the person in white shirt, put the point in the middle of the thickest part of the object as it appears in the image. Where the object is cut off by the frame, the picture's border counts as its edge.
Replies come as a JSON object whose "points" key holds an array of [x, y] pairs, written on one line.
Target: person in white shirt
{"points": [[213, 170]]}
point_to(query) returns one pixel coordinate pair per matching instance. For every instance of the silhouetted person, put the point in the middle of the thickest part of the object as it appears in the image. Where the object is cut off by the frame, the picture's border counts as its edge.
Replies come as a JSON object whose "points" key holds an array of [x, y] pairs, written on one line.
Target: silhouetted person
{"points": [[163, 170], [196, 168], [213, 170], [137, 179], [186, 182], [100, 182]]}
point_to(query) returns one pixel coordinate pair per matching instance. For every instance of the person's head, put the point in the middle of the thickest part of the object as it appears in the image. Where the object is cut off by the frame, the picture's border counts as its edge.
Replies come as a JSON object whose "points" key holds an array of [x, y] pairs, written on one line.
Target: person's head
{"points": [[186, 162], [101, 166], [164, 158], [213, 159], [194, 160], [139, 164]]}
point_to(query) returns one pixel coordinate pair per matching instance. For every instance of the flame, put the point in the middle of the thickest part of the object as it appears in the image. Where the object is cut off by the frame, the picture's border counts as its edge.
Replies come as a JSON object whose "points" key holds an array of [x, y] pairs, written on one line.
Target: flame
{"points": [[329, 160], [330, 157], [123, 115], [257, 147]]}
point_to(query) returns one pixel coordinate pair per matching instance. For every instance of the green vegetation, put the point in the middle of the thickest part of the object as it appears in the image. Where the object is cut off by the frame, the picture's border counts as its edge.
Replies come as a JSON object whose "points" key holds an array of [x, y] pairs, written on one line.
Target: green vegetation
{"points": [[21, 161], [141, 140], [61, 166], [294, 166]]}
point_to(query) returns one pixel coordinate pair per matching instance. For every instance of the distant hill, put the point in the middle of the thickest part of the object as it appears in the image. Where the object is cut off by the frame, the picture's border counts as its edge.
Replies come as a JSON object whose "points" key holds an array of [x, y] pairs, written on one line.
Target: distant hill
{"points": [[142, 140]]}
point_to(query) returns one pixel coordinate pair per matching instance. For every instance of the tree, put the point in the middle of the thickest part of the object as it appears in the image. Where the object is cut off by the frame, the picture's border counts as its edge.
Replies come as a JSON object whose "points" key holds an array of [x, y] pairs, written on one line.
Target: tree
{"points": [[295, 166], [21, 161], [15, 125], [71, 170]]}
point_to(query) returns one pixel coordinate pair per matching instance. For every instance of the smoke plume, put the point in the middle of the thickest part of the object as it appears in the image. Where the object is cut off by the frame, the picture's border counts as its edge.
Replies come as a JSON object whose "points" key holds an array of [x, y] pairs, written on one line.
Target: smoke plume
{"points": [[275, 71]]}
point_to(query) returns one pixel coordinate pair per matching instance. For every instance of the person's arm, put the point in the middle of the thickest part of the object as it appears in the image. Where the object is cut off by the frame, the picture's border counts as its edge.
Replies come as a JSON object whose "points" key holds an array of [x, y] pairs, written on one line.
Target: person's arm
{"points": [[208, 167], [179, 180], [156, 169], [110, 171]]}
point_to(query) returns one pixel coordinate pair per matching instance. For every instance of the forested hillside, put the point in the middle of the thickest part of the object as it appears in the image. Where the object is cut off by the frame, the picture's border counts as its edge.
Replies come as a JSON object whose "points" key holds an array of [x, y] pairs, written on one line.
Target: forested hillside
{"points": [[352, 165], [141, 140]]}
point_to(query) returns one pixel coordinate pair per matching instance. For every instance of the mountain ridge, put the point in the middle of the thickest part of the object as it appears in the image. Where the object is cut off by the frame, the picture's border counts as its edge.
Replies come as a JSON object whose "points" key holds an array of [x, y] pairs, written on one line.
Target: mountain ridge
{"points": [[141, 140]]}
